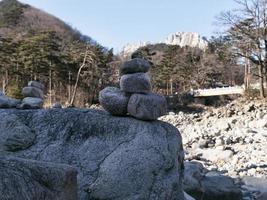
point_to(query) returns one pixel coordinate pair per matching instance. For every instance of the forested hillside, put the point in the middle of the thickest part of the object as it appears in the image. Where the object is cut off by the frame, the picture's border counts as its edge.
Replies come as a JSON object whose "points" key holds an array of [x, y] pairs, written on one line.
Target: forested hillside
{"points": [[179, 69], [37, 46]]}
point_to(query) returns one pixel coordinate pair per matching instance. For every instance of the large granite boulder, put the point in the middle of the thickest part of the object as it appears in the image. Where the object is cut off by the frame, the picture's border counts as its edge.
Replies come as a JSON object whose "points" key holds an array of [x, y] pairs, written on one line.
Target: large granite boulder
{"points": [[14, 135], [28, 179], [117, 158]]}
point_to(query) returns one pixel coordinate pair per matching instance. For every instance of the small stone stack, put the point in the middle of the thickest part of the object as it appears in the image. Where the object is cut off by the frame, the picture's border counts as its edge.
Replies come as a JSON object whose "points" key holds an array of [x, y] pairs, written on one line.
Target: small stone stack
{"points": [[33, 96], [135, 96]]}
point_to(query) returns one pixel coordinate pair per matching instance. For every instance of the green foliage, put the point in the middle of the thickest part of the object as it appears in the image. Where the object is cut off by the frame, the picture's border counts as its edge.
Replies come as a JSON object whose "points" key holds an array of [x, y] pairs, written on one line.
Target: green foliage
{"points": [[49, 51], [14, 91], [183, 68]]}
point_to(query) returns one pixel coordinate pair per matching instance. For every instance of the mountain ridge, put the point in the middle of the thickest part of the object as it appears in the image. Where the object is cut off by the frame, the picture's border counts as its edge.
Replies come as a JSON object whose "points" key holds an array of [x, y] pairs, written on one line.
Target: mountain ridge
{"points": [[191, 39]]}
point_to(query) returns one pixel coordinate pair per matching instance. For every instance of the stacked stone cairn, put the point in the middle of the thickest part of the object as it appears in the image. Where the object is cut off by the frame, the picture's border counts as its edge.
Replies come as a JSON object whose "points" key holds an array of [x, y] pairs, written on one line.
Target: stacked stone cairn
{"points": [[134, 96], [33, 96]]}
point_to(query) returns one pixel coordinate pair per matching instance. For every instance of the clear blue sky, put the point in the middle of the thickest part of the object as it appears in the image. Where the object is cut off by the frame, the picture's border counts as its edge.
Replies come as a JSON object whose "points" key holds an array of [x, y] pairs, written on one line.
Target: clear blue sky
{"points": [[113, 23]]}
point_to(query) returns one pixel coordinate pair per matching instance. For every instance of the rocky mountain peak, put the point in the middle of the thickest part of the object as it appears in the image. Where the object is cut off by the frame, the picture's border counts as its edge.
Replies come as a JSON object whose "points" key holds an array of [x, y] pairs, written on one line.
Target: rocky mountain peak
{"points": [[186, 39], [191, 39]]}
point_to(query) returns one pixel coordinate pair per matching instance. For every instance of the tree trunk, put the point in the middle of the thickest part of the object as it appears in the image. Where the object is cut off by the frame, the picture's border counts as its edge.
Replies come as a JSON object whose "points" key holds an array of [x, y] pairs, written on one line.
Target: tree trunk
{"points": [[78, 77], [261, 81], [5, 82], [167, 88], [50, 87]]}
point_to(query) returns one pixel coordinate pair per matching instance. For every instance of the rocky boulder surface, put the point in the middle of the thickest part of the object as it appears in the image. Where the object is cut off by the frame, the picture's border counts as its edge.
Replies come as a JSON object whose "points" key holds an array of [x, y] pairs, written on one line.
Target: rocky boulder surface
{"points": [[7, 102], [29, 179], [117, 158]]}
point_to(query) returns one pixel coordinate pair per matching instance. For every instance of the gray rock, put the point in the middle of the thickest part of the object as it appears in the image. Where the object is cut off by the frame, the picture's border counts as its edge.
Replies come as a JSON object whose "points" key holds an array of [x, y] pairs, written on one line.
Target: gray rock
{"points": [[194, 173], [57, 105], [114, 100], [1, 93], [7, 102], [259, 183], [36, 84], [135, 65], [29, 179], [117, 158], [220, 188], [147, 106], [32, 103], [135, 83], [14, 135], [32, 92], [209, 186]]}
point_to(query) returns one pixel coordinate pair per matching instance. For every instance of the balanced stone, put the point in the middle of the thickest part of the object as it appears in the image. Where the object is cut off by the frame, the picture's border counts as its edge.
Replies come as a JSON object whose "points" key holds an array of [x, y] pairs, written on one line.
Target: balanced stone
{"points": [[36, 84], [32, 103], [32, 92], [114, 100], [147, 106], [134, 66], [135, 83]]}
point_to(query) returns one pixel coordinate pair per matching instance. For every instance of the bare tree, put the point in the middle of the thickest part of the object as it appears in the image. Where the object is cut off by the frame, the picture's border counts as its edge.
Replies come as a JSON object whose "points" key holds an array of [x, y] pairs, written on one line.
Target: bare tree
{"points": [[247, 28], [86, 60]]}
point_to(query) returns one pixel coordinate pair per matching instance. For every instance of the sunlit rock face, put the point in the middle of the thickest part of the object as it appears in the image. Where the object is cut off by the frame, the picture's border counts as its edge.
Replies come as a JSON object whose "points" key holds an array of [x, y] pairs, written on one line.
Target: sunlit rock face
{"points": [[182, 39], [186, 39], [128, 49]]}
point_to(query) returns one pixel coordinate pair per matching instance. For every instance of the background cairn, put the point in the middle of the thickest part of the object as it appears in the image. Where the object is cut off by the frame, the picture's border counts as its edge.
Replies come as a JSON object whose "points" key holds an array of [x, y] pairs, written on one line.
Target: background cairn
{"points": [[135, 96], [33, 96]]}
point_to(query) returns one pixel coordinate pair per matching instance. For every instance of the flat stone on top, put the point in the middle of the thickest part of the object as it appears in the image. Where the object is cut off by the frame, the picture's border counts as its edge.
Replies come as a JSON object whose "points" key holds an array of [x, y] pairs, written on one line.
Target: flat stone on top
{"points": [[147, 106], [135, 83], [36, 84], [134, 66]]}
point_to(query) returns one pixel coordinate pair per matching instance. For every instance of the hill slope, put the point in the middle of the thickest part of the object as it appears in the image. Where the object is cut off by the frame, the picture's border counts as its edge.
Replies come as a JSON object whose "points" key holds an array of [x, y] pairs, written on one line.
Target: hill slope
{"points": [[37, 45], [17, 20]]}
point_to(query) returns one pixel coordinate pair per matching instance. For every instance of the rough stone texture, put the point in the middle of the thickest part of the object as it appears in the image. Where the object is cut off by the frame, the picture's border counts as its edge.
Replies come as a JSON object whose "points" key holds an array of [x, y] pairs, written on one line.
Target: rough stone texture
{"points": [[31, 103], [135, 83], [134, 66], [209, 185], [14, 135], [27, 179], [7, 102], [114, 100], [147, 106], [36, 84], [117, 158], [32, 92]]}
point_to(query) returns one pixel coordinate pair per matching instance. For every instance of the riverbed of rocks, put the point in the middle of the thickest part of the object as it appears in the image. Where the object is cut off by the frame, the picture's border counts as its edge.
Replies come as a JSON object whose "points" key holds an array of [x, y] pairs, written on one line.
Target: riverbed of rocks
{"points": [[231, 139]]}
